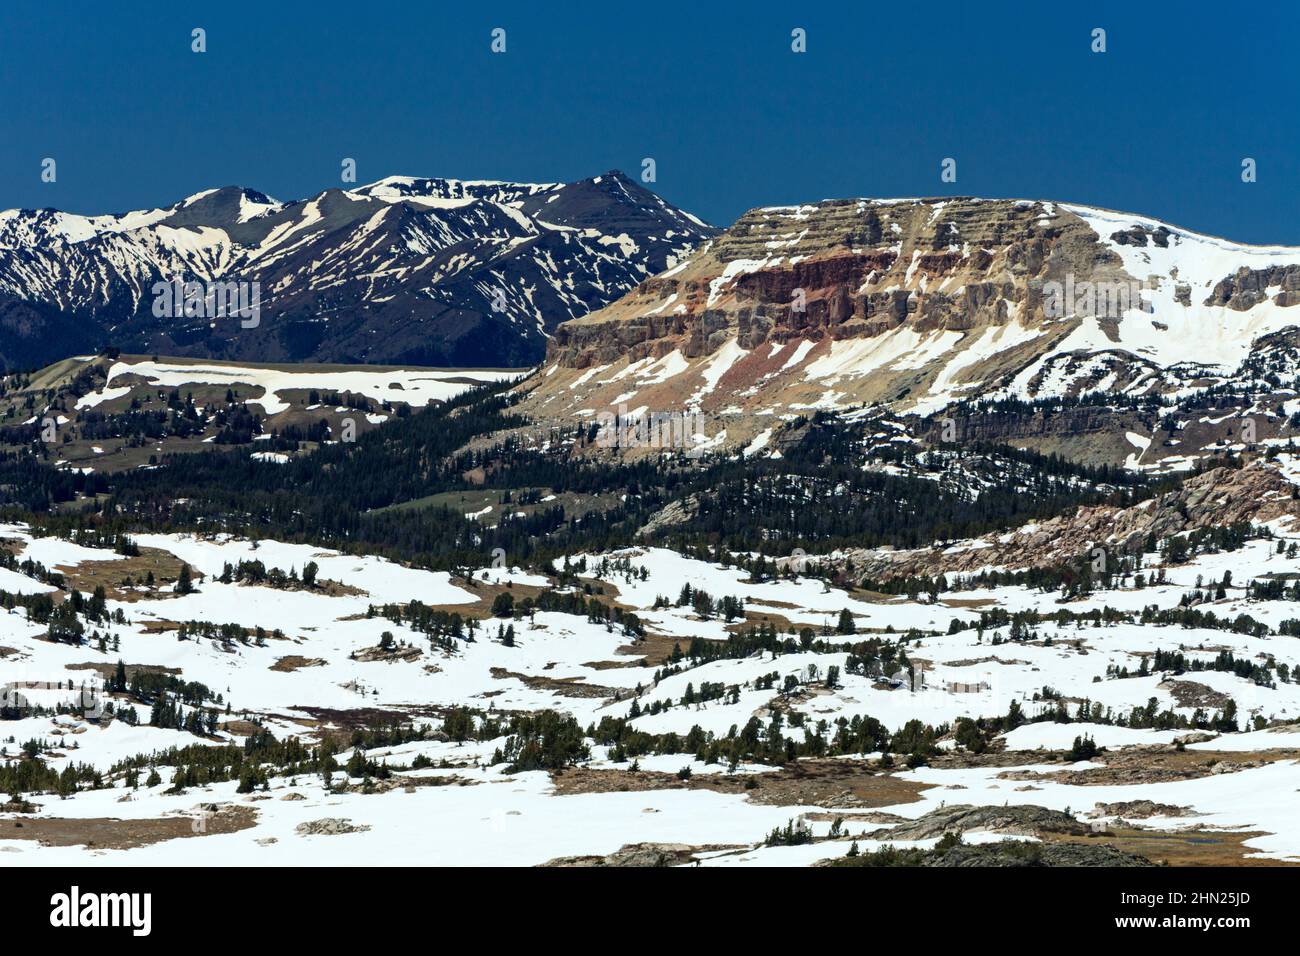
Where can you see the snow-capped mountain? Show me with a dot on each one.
(403, 270)
(922, 303)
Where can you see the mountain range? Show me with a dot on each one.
(438, 272)
(937, 309)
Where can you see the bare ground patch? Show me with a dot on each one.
(295, 662)
(594, 665)
(826, 783)
(1181, 847)
(113, 574)
(564, 686)
(1189, 693)
(110, 833)
(485, 594)
(654, 649)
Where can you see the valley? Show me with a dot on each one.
(849, 647)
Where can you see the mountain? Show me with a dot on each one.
(931, 306)
(401, 271)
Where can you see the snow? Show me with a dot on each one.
(759, 443)
(1053, 736)
(716, 367)
(408, 386)
(498, 818)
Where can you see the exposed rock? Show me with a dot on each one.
(1004, 853)
(911, 304)
(635, 854)
(1021, 820)
(1140, 810)
(295, 662)
(398, 653)
(1248, 287)
(1255, 493)
(451, 293)
(329, 826)
(676, 512)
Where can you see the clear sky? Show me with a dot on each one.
(1158, 124)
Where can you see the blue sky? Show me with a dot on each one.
(1158, 124)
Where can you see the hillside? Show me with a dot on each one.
(101, 414)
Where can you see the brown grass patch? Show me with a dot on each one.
(563, 686)
(110, 833)
(594, 665)
(109, 670)
(754, 618)
(110, 573)
(486, 593)
(241, 728)
(654, 649)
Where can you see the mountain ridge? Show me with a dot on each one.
(426, 271)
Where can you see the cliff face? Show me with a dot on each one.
(863, 269)
(919, 303)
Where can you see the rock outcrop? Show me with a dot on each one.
(917, 304)
(1020, 820)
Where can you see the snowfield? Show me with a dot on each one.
(413, 387)
(326, 655)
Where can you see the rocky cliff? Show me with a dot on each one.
(918, 304)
